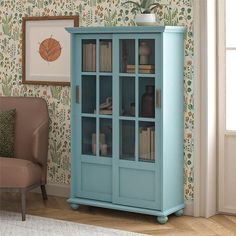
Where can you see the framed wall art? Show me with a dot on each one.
(46, 49)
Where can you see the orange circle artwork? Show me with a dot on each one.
(50, 49)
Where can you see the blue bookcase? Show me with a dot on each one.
(127, 119)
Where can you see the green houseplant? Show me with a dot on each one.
(143, 9)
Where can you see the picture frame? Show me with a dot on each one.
(46, 49)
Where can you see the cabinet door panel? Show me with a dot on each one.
(127, 96)
(89, 55)
(96, 181)
(105, 149)
(127, 140)
(137, 188)
(127, 55)
(105, 55)
(88, 136)
(88, 98)
(146, 97)
(146, 53)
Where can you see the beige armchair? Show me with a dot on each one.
(28, 168)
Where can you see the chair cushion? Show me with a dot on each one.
(18, 173)
(7, 133)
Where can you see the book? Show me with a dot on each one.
(89, 57)
(84, 58)
(140, 142)
(93, 66)
(152, 143)
(147, 143)
(105, 56)
(141, 67)
(141, 71)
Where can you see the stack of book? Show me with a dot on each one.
(143, 69)
(147, 143)
(105, 56)
(89, 57)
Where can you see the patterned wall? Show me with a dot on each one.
(91, 12)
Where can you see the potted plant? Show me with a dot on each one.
(143, 9)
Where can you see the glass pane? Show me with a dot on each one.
(88, 136)
(230, 23)
(105, 56)
(127, 96)
(88, 98)
(127, 140)
(146, 97)
(105, 95)
(127, 55)
(230, 90)
(147, 141)
(89, 55)
(146, 56)
(105, 137)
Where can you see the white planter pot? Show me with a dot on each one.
(145, 19)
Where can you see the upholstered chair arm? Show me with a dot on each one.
(40, 143)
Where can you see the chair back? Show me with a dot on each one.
(31, 112)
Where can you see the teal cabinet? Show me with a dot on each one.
(127, 119)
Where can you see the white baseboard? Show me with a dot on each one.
(188, 210)
(59, 190)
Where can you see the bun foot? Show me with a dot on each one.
(162, 219)
(179, 212)
(74, 206)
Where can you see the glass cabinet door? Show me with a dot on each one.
(89, 55)
(127, 96)
(88, 99)
(146, 64)
(137, 76)
(96, 104)
(105, 55)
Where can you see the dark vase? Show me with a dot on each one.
(147, 105)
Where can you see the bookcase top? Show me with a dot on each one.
(126, 29)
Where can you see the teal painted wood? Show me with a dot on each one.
(126, 29)
(75, 111)
(115, 127)
(158, 120)
(124, 208)
(149, 188)
(172, 108)
(96, 181)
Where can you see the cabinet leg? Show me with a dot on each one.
(74, 206)
(162, 219)
(179, 212)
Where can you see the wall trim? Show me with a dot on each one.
(197, 108)
(205, 158)
(59, 190)
(189, 208)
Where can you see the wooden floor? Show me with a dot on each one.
(57, 208)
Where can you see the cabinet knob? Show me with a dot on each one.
(158, 98)
(77, 94)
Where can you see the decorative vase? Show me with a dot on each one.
(147, 103)
(144, 53)
(145, 19)
(132, 109)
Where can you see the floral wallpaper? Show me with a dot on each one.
(90, 12)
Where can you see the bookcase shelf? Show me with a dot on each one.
(127, 118)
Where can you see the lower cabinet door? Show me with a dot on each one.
(137, 188)
(95, 181)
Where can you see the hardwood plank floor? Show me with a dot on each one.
(58, 208)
